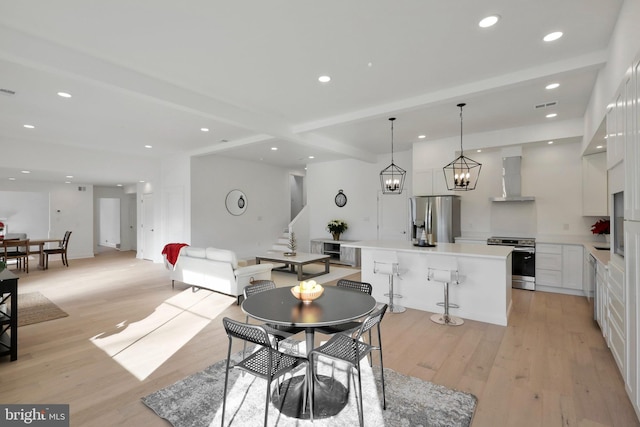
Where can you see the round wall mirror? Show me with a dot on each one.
(236, 202)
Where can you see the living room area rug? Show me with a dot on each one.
(196, 401)
(33, 307)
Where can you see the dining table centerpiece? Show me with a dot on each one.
(307, 291)
(336, 227)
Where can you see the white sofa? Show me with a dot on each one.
(216, 270)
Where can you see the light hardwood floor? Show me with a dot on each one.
(549, 367)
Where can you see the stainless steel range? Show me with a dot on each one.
(523, 270)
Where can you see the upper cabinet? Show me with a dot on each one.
(594, 185)
(631, 149)
(430, 182)
(615, 130)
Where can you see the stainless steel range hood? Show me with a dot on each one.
(512, 181)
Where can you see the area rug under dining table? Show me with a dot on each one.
(197, 401)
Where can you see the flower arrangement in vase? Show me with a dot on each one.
(336, 227)
(602, 227)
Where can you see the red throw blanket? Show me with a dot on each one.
(172, 250)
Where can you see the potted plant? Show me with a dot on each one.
(601, 227)
(336, 227)
(292, 245)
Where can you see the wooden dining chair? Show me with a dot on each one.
(61, 249)
(18, 250)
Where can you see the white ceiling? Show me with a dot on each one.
(155, 72)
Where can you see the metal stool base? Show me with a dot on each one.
(445, 319)
(396, 308)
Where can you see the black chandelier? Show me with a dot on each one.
(392, 177)
(462, 173)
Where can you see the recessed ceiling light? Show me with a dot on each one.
(599, 146)
(552, 86)
(25, 171)
(324, 79)
(479, 151)
(312, 157)
(204, 129)
(552, 36)
(489, 21)
(148, 146)
(12, 179)
(550, 116)
(274, 148)
(29, 126)
(422, 136)
(118, 185)
(67, 182)
(142, 181)
(64, 94)
(550, 142)
(69, 176)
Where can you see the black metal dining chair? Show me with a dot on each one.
(266, 362)
(278, 332)
(351, 349)
(348, 327)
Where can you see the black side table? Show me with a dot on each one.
(9, 315)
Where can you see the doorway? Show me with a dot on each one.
(109, 222)
(393, 216)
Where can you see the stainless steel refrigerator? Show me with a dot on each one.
(438, 216)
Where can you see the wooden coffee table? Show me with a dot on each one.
(297, 260)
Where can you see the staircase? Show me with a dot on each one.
(282, 244)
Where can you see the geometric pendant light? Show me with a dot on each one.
(392, 177)
(462, 173)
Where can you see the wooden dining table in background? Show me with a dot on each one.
(40, 243)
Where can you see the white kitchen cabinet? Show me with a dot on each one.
(616, 128)
(602, 275)
(572, 266)
(430, 182)
(616, 322)
(594, 185)
(559, 268)
(632, 150)
(632, 276)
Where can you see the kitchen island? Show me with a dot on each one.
(484, 293)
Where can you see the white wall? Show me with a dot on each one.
(25, 212)
(268, 204)
(360, 182)
(551, 173)
(68, 209)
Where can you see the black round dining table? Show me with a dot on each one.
(335, 306)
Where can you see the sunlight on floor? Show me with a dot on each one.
(142, 346)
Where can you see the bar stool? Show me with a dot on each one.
(387, 264)
(446, 276)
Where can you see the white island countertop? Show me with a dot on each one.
(484, 292)
(457, 249)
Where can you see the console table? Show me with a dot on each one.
(338, 253)
(9, 314)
